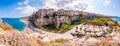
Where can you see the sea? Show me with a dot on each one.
(16, 23)
(116, 19)
(20, 25)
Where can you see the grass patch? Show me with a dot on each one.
(99, 21)
(79, 35)
(59, 41)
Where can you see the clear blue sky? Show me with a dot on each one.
(21, 8)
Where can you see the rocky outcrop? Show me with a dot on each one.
(54, 17)
(93, 30)
(58, 17)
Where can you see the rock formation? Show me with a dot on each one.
(54, 17)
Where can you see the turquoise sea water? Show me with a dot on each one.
(15, 23)
(117, 19)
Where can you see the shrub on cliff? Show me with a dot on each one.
(100, 21)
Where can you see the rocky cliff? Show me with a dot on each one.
(55, 17)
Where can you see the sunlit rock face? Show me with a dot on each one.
(54, 17)
(58, 17)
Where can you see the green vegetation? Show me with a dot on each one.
(67, 27)
(59, 41)
(95, 36)
(96, 21)
(100, 21)
(78, 35)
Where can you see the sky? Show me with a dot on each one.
(23, 8)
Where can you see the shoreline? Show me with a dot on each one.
(27, 30)
(24, 25)
(116, 19)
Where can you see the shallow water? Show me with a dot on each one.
(117, 19)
